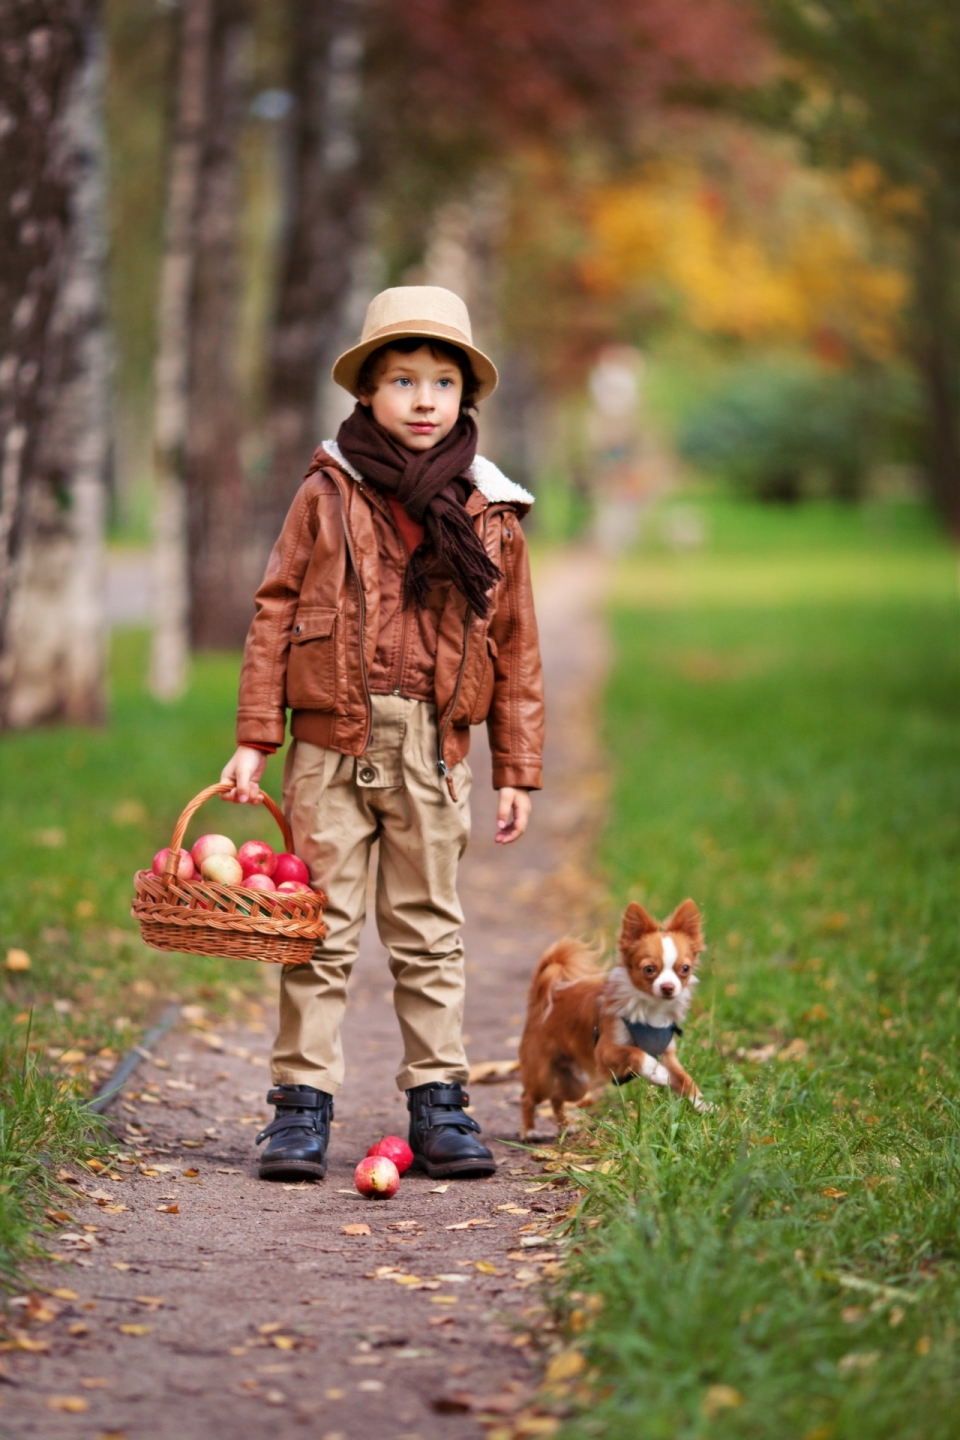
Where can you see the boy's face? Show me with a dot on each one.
(417, 397)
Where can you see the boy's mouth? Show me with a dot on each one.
(421, 427)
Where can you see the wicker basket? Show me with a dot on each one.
(199, 917)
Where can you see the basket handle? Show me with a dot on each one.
(180, 829)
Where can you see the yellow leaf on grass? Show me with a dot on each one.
(73, 1404)
(922, 1346)
(17, 960)
(564, 1366)
(720, 1397)
(794, 1051)
(833, 1194)
(135, 1330)
(358, 1229)
(817, 1012)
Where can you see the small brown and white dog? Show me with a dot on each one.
(585, 1026)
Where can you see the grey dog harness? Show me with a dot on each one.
(652, 1039)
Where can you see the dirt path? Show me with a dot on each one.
(209, 1303)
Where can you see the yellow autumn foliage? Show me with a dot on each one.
(799, 268)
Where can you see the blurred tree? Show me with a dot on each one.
(221, 588)
(875, 84)
(53, 362)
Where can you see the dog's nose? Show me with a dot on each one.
(666, 989)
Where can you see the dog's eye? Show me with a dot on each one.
(684, 969)
(649, 969)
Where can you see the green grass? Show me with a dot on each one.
(80, 811)
(783, 721)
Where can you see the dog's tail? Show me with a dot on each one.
(565, 962)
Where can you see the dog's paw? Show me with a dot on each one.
(703, 1107)
(653, 1071)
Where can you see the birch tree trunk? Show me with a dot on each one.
(168, 670)
(221, 585)
(323, 235)
(55, 366)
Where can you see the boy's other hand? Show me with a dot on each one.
(243, 771)
(513, 814)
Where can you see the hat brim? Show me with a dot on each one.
(347, 368)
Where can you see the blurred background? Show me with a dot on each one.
(712, 244)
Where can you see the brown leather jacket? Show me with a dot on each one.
(313, 638)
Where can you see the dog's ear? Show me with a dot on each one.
(636, 924)
(685, 920)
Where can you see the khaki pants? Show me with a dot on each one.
(337, 807)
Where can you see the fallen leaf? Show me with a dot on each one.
(27, 1342)
(485, 1267)
(60, 1217)
(439, 1189)
(487, 1072)
(469, 1224)
(720, 1397)
(120, 1265)
(78, 1328)
(794, 1051)
(833, 1194)
(512, 1209)
(113, 1209)
(153, 1300)
(17, 960)
(284, 1342)
(65, 1294)
(136, 1330)
(275, 1397)
(922, 1346)
(564, 1366)
(72, 1057)
(358, 1229)
(168, 1209)
(73, 1404)
(38, 1312)
(443, 1300)
(94, 1382)
(190, 1173)
(271, 1327)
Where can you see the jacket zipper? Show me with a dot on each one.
(363, 619)
(442, 765)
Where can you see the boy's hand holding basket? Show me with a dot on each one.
(202, 917)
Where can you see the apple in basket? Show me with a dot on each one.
(290, 867)
(257, 858)
(211, 845)
(223, 869)
(293, 887)
(185, 867)
(258, 881)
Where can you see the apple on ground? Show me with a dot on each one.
(223, 869)
(377, 1177)
(259, 881)
(185, 866)
(291, 867)
(211, 845)
(396, 1150)
(257, 857)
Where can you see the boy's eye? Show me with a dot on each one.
(404, 380)
(445, 384)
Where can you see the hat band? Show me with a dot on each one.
(426, 327)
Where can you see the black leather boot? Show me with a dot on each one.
(442, 1138)
(299, 1135)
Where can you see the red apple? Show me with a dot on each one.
(211, 845)
(257, 857)
(223, 869)
(291, 867)
(259, 881)
(185, 867)
(293, 887)
(377, 1177)
(396, 1150)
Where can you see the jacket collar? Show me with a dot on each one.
(489, 480)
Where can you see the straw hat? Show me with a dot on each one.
(409, 310)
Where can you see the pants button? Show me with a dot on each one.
(367, 774)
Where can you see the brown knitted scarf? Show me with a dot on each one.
(432, 486)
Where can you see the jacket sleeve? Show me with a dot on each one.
(515, 720)
(261, 712)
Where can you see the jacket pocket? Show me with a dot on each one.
(481, 705)
(312, 663)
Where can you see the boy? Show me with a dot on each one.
(396, 611)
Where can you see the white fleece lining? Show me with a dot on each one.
(488, 478)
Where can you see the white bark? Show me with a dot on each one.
(54, 660)
(168, 672)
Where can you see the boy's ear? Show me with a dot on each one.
(685, 920)
(636, 923)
